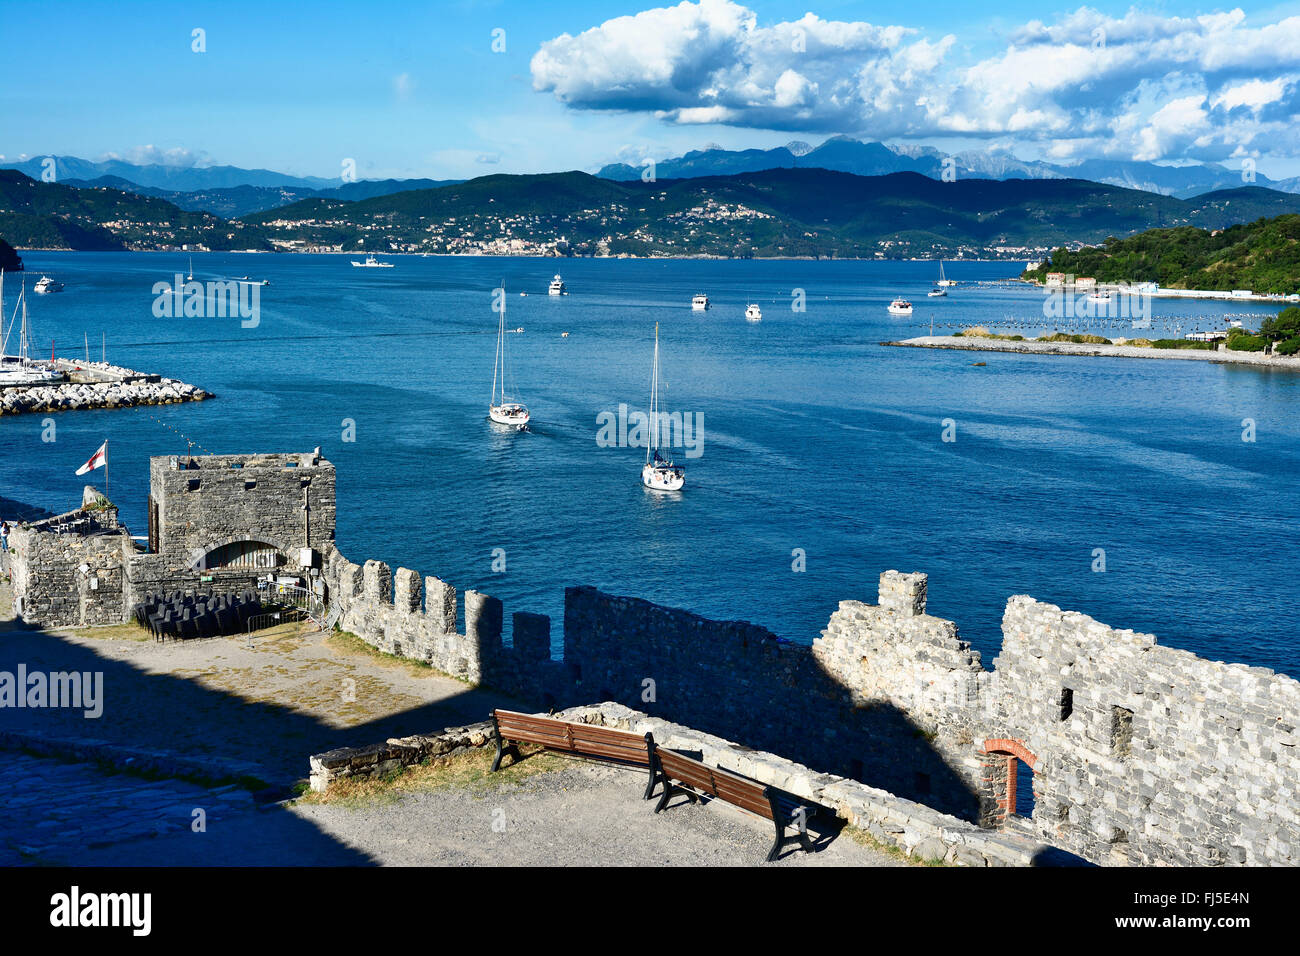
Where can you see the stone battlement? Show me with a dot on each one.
(1133, 753)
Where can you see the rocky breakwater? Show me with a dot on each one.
(99, 386)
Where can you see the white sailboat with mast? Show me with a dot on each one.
(505, 412)
(659, 474)
(18, 369)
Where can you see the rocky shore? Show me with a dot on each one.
(975, 344)
(98, 385)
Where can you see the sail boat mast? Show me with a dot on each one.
(652, 444)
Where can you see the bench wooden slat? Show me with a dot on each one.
(573, 737)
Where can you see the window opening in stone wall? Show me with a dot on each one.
(1121, 732)
(1024, 789)
(1067, 703)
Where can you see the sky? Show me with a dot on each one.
(463, 88)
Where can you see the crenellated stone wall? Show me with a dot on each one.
(1154, 756)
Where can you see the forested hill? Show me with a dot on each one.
(1263, 256)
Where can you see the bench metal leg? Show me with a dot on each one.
(502, 747)
(650, 751)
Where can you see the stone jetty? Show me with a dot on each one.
(97, 385)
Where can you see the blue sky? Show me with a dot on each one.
(411, 89)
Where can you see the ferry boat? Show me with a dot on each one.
(753, 313)
(900, 307)
(505, 412)
(659, 473)
(699, 303)
(372, 263)
(46, 284)
(557, 287)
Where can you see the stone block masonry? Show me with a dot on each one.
(1137, 754)
(1129, 752)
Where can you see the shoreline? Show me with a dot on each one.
(962, 343)
(97, 385)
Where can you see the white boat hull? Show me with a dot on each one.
(897, 311)
(515, 416)
(662, 479)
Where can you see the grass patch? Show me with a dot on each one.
(979, 332)
(463, 771)
(348, 643)
(114, 632)
(865, 838)
(1076, 339)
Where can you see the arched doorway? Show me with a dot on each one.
(243, 555)
(1008, 780)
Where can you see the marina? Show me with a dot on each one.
(818, 437)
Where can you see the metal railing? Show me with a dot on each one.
(311, 604)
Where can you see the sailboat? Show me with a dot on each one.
(18, 369)
(943, 282)
(659, 474)
(505, 412)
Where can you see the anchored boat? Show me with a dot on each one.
(505, 412)
(659, 474)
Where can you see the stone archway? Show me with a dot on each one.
(1003, 758)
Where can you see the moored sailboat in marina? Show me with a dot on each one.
(19, 369)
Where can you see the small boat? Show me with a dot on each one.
(190, 277)
(943, 282)
(659, 474)
(936, 293)
(372, 263)
(505, 412)
(699, 303)
(556, 287)
(900, 307)
(1098, 296)
(46, 284)
(564, 335)
(753, 313)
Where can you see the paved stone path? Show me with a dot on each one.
(581, 815)
(54, 811)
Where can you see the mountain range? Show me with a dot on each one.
(776, 212)
(232, 192)
(844, 154)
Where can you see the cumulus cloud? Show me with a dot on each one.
(1144, 85)
(154, 156)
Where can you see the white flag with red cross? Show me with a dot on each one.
(98, 460)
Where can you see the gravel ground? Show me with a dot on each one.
(288, 696)
(581, 815)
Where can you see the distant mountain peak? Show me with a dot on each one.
(798, 147)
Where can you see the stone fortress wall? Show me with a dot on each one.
(216, 522)
(1139, 753)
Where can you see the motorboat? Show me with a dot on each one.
(699, 303)
(900, 307)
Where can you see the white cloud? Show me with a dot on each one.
(154, 156)
(1144, 84)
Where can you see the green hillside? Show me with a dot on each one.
(777, 212)
(54, 216)
(1263, 256)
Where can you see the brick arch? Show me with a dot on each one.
(1007, 745)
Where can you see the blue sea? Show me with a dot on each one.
(822, 449)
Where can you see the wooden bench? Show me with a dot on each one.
(695, 779)
(583, 740)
